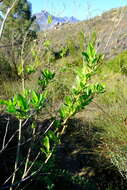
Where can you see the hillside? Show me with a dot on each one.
(110, 28)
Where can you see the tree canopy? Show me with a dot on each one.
(19, 20)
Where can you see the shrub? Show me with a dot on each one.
(29, 103)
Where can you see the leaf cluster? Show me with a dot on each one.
(45, 78)
(25, 105)
(83, 91)
(48, 142)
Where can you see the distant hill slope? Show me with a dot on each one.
(42, 20)
(110, 27)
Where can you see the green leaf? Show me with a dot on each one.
(52, 135)
(33, 126)
(20, 69)
(57, 123)
(44, 79)
(46, 143)
(11, 109)
(62, 112)
(34, 97)
(30, 69)
(68, 100)
(86, 56)
(3, 102)
(49, 19)
(22, 102)
(46, 43)
(44, 151)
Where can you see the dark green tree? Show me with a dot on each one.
(18, 27)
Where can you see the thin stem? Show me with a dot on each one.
(7, 143)
(28, 156)
(5, 146)
(49, 127)
(13, 173)
(31, 165)
(4, 139)
(18, 152)
(22, 62)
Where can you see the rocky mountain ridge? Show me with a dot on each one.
(42, 20)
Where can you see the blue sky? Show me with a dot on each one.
(81, 9)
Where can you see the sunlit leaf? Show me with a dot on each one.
(46, 143)
(49, 19)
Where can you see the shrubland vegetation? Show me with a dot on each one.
(63, 110)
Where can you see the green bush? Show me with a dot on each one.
(29, 103)
(118, 64)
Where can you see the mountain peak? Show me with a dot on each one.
(45, 12)
(42, 20)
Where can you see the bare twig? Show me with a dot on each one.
(49, 127)
(13, 173)
(18, 152)
(26, 172)
(6, 15)
(22, 62)
(10, 139)
(28, 156)
(6, 130)
(5, 145)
